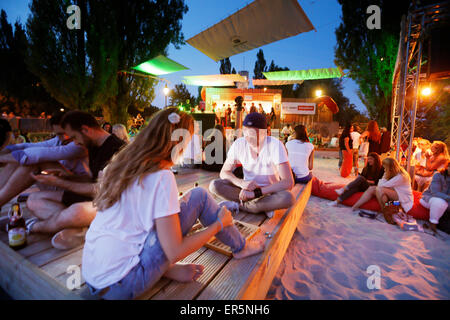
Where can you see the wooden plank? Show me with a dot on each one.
(23, 280)
(59, 266)
(36, 247)
(250, 278)
(163, 282)
(212, 261)
(50, 255)
(259, 281)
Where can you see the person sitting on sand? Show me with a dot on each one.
(58, 153)
(301, 155)
(395, 185)
(67, 211)
(369, 176)
(267, 172)
(437, 196)
(436, 157)
(140, 231)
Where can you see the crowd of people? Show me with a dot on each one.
(121, 197)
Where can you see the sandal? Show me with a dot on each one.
(29, 224)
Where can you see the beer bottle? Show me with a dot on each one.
(17, 234)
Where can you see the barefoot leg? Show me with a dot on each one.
(251, 248)
(184, 272)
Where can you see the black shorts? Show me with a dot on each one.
(69, 198)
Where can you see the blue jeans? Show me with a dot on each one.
(196, 204)
(303, 179)
(341, 157)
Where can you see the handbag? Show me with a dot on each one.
(389, 211)
(364, 148)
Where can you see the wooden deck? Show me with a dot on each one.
(39, 271)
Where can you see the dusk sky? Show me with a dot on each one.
(311, 50)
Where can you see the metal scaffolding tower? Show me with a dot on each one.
(407, 75)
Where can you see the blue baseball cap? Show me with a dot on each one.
(255, 120)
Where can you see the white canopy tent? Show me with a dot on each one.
(259, 23)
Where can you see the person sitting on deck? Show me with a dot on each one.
(369, 176)
(267, 172)
(395, 185)
(70, 208)
(215, 150)
(141, 229)
(436, 157)
(301, 155)
(437, 196)
(58, 153)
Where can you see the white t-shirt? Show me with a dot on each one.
(193, 150)
(117, 235)
(263, 170)
(355, 137)
(419, 158)
(298, 153)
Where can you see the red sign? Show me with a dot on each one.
(305, 108)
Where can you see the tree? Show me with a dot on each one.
(180, 96)
(234, 71)
(260, 66)
(19, 88)
(86, 68)
(225, 66)
(370, 55)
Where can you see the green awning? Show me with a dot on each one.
(159, 66)
(311, 74)
(214, 80)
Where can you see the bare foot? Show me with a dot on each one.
(251, 248)
(355, 208)
(184, 272)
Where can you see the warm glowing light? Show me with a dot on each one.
(166, 90)
(265, 89)
(426, 91)
(62, 109)
(319, 93)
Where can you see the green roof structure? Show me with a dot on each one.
(311, 74)
(159, 66)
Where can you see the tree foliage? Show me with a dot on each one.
(20, 90)
(260, 66)
(370, 55)
(180, 95)
(225, 66)
(84, 68)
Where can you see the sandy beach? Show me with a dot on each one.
(333, 247)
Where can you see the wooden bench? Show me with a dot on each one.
(39, 271)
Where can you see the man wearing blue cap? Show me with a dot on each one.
(267, 172)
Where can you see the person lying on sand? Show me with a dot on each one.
(140, 231)
(267, 172)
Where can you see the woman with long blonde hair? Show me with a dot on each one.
(140, 230)
(121, 132)
(395, 185)
(436, 157)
